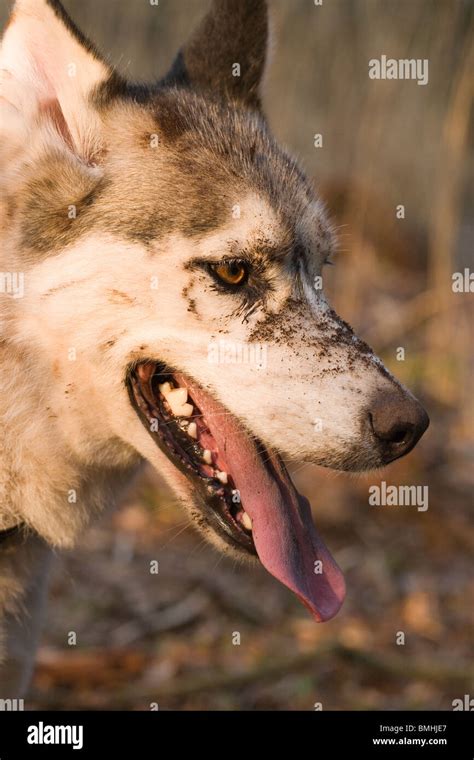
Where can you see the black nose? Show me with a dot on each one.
(397, 421)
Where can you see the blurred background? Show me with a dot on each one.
(168, 638)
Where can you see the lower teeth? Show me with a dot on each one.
(179, 407)
(246, 521)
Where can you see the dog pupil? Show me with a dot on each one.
(235, 271)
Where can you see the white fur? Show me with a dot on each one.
(42, 63)
(69, 438)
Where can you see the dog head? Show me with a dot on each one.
(174, 259)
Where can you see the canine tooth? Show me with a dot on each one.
(222, 476)
(192, 430)
(177, 396)
(207, 456)
(246, 521)
(164, 388)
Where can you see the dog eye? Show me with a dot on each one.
(233, 273)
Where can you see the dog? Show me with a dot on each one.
(143, 228)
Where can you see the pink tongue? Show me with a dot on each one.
(286, 540)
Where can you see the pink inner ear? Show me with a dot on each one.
(52, 111)
(37, 49)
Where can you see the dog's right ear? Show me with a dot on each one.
(48, 75)
(226, 55)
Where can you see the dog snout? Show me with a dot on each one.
(397, 422)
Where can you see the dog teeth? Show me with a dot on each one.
(185, 410)
(246, 521)
(176, 398)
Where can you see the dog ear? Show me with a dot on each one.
(49, 73)
(226, 55)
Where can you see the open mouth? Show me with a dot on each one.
(182, 432)
(244, 490)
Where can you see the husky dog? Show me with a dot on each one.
(141, 226)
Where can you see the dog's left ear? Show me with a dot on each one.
(49, 73)
(226, 55)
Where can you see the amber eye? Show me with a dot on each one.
(232, 273)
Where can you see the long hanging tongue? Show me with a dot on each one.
(286, 540)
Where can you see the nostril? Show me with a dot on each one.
(398, 434)
(397, 423)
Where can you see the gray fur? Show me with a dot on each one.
(207, 150)
(153, 175)
(233, 32)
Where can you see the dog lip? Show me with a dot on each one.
(283, 534)
(286, 540)
(212, 500)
